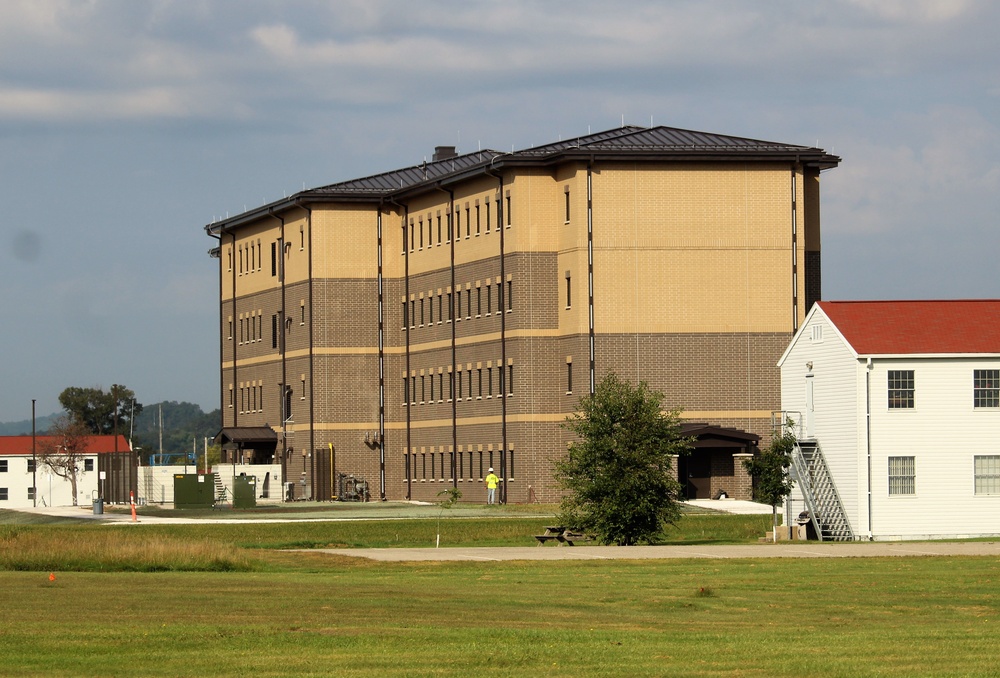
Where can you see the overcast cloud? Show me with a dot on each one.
(125, 126)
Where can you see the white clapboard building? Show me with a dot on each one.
(896, 406)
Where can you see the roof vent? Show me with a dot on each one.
(444, 152)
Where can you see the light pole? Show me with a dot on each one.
(34, 458)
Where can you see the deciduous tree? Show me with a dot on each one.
(97, 409)
(769, 470)
(64, 455)
(619, 477)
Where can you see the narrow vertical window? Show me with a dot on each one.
(987, 474)
(440, 308)
(450, 308)
(478, 220)
(432, 388)
(458, 224)
(507, 210)
(479, 383)
(412, 235)
(986, 388)
(489, 382)
(510, 380)
(421, 311)
(901, 389)
(450, 227)
(420, 227)
(902, 475)
(274, 330)
(567, 204)
(406, 390)
(431, 311)
(440, 386)
(274, 259)
(489, 300)
(458, 385)
(413, 390)
(302, 238)
(510, 295)
(479, 301)
(451, 386)
(569, 378)
(468, 221)
(569, 290)
(487, 216)
(439, 228)
(469, 392)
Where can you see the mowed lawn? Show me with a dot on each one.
(280, 613)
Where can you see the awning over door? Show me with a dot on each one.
(261, 437)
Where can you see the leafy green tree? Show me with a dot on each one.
(769, 470)
(619, 477)
(64, 455)
(97, 409)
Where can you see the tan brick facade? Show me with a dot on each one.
(483, 330)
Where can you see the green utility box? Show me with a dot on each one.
(192, 490)
(244, 492)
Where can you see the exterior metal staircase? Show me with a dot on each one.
(826, 510)
(220, 490)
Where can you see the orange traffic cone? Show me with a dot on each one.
(52, 576)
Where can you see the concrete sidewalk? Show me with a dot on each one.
(780, 550)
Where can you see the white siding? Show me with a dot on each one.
(52, 490)
(836, 424)
(943, 432)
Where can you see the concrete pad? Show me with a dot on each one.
(780, 550)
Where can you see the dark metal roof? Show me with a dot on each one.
(711, 435)
(250, 436)
(402, 179)
(630, 143)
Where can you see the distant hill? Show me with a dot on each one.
(185, 425)
(23, 428)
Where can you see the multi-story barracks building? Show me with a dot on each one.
(413, 329)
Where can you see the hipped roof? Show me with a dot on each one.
(628, 143)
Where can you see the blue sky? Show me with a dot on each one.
(127, 125)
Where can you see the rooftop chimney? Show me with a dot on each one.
(444, 152)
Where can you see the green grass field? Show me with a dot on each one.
(221, 600)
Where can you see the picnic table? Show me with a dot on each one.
(562, 534)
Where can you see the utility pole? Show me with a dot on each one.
(34, 457)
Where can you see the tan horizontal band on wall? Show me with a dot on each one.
(554, 417)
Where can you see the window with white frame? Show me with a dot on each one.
(986, 388)
(901, 389)
(902, 476)
(987, 474)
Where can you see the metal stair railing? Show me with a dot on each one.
(826, 510)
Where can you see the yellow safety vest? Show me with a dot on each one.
(491, 481)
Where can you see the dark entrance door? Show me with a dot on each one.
(699, 475)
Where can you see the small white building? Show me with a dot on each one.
(896, 406)
(25, 483)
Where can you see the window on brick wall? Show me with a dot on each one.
(569, 378)
(487, 216)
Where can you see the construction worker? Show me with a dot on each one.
(491, 487)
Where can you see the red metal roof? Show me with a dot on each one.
(95, 444)
(918, 327)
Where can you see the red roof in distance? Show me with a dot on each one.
(955, 326)
(95, 444)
